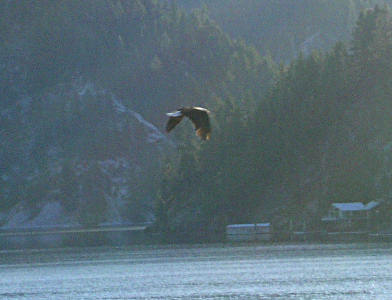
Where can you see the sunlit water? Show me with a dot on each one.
(200, 272)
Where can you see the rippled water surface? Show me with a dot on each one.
(320, 272)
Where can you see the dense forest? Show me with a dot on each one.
(293, 130)
(317, 136)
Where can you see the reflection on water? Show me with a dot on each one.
(360, 271)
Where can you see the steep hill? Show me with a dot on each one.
(79, 148)
(84, 90)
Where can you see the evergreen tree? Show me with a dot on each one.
(371, 47)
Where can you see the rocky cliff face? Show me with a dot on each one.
(76, 155)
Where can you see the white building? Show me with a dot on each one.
(248, 232)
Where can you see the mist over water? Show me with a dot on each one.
(199, 272)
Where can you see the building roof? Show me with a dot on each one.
(248, 225)
(353, 206)
(371, 205)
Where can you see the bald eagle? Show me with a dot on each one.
(198, 116)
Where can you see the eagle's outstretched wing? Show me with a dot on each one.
(201, 121)
(172, 122)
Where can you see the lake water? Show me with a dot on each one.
(354, 271)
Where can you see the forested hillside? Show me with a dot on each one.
(320, 135)
(71, 71)
(288, 138)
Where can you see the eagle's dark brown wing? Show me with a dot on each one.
(201, 121)
(172, 122)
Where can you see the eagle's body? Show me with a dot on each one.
(198, 116)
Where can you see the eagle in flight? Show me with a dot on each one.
(198, 116)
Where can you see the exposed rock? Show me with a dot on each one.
(79, 149)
